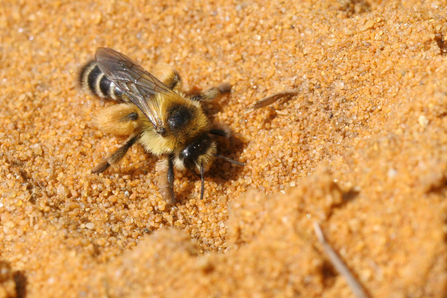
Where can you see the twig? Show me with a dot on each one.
(339, 265)
(271, 99)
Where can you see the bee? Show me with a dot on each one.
(155, 113)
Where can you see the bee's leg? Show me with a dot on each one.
(225, 133)
(118, 120)
(221, 133)
(115, 157)
(171, 176)
(165, 168)
(213, 92)
(169, 76)
(131, 117)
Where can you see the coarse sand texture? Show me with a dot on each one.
(361, 149)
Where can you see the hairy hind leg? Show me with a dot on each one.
(115, 157)
(168, 75)
(165, 168)
(213, 92)
(120, 119)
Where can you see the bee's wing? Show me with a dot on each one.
(138, 84)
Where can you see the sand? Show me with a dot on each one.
(362, 150)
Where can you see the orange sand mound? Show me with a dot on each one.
(362, 150)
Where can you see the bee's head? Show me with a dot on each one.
(199, 154)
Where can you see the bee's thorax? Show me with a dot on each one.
(179, 116)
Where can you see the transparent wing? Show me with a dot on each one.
(138, 84)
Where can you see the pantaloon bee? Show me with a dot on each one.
(155, 113)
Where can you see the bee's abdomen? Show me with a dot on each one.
(93, 79)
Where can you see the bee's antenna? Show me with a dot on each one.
(203, 181)
(230, 160)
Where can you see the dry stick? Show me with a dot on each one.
(272, 99)
(339, 265)
(106, 287)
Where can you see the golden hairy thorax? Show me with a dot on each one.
(175, 110)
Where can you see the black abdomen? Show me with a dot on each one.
(93, 79)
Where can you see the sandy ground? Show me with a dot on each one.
(362, 150)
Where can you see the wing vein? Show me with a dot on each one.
(139, 85)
